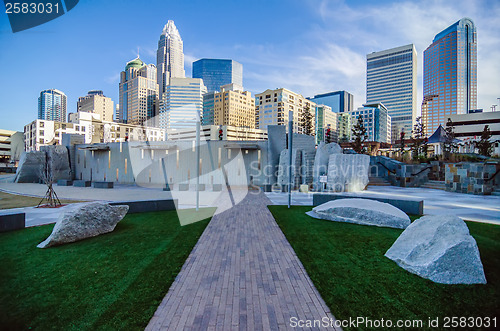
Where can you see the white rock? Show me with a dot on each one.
(362, 211)
(87, 221)
(441, 249)
(348, 172)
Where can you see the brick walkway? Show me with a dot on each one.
(242, 274)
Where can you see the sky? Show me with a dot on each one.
(307, 46)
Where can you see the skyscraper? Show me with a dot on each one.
(391, 79)
(450, 74)
(138, 93)
(169, 56)
(182, 104)
(95, 102)
(52, 105)
(216, 73)
(338, 101)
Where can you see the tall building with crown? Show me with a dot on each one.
(169, 56)
(138, 93)
(450, 74)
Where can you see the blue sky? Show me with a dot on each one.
(308, 46)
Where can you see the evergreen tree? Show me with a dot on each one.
(419, 142)
(484, 145)
(360, 136)
(307, 121)
(449, 145)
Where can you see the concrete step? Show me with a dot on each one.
(378, 181)
(435, 184)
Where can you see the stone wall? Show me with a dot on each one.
(471, 178)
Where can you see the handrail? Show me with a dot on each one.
(492, 176)
(418, 173)
(383, 165)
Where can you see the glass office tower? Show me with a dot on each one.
(338, 101)
(391, 79)
(450, 74)
(217, 72)
(52, 105)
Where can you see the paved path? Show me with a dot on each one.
(242, 274)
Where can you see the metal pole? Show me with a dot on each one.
(290, 137)
(197, 164)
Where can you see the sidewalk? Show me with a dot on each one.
(242, 274)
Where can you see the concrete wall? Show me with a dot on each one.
(155, 163)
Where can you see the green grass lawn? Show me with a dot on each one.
(347, 265)
(113, 281)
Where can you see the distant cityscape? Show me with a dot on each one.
(158, 102)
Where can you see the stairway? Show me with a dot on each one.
(378, 181)
(435, 184)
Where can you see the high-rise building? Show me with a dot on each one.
(95, 102)
(218, 72)
(450, 74)
(326, 124)
(391, 79)
(376, 120)
(169, 56)
(182, 104)
(234, 107)
(272, 107)
(138, 93)
(52, 105)
(344, 122)
(208, 108)
(338, 101)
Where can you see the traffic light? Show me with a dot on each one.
(221, 134)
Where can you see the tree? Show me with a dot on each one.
(449, 145)
(360, 136)
(484, 145)
(402, 141)
(419, 142)
(307, 121)
(47, 176)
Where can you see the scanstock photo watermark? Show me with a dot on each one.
(454, 322)
(24, 15)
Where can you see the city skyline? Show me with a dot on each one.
(332, 61)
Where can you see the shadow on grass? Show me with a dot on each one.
(113, 281)
(347, 265)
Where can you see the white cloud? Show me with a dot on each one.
(331, 55)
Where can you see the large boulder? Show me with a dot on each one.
(362, 211)
(441, 249)
(296, 167)
(348, 172)
(321, 158)
(87, 221)
(30, 167)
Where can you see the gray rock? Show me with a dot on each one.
(348, 172)
(362, 211)
(89, 220)
(58, 158)
(29, 167)
(441, 249)
(321, 158)
(296, 167)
